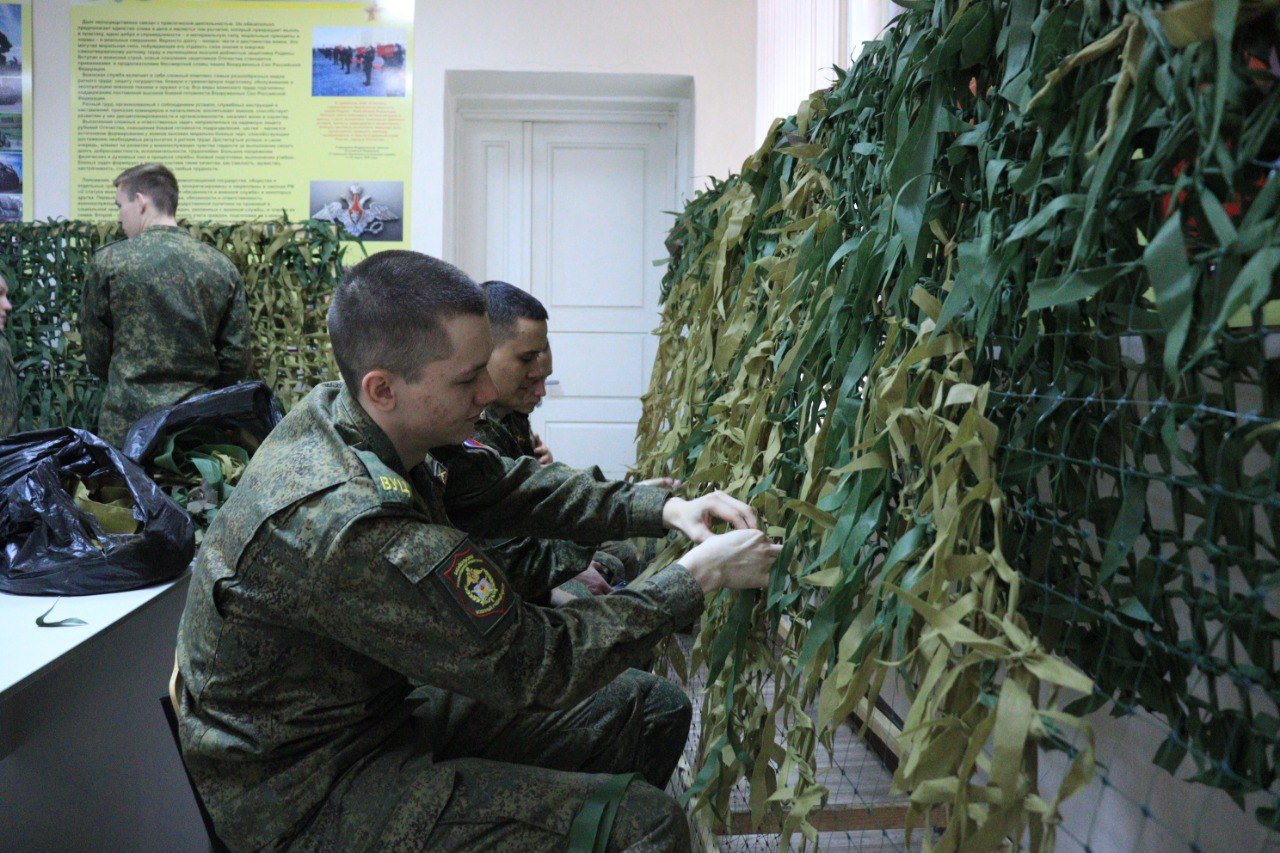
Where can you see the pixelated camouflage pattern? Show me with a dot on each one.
(163, 318)
(537, 566)
(518, 779)
(509, 433)
(317, 599)
(10, 405)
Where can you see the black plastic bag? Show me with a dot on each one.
(49, 545)
(249, 407)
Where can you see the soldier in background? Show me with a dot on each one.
(340, 575)
(9, 402)
(164, 315)
(519, 366)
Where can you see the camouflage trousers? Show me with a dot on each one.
(467, 777)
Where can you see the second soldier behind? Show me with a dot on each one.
(519, 366)
(164, 315)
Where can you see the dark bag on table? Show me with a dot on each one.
(77, 517)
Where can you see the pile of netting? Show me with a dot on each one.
(986, 332)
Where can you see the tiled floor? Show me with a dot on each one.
(852, 774)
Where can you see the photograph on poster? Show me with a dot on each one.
(10, 58)
(371, 210)
(10, 186)
(10, 132)
(358, 62)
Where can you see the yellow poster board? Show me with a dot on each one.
(257, 107)
(16, 198)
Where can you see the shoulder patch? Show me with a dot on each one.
(475, 445)
(476, 585)
(392, 488)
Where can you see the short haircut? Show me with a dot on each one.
(155, 181)
(387, 314)
(508, 303)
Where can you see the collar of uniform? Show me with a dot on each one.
(496, 413)
(363, 433)
(171, 229)
(517, 422)
(435, 469)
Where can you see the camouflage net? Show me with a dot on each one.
(289, 270)
(986, 331)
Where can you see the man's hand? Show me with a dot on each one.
(593, 579)
(541, 452)
(661, 482)
(739, 559)
(694, 518)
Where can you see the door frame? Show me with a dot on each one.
(561, 97)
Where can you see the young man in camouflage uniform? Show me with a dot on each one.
(343, 569)
(519, 367)
(164, 315)
(9, 403)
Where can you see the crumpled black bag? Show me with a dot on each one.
(47, 543)
(248, 406)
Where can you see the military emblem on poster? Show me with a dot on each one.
(372, 211)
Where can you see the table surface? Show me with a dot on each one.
(27, 651)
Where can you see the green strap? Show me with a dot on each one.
(591, 828)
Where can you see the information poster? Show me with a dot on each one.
(258, 107)
(15, 112)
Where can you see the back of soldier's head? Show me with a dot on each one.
(153, 180)
(508, 305)
(389, 310)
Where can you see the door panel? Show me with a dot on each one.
(574, 211)
(491, 225)
(595, 210)
(599, 364)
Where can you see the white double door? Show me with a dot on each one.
(575, 211)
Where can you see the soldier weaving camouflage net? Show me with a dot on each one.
(983, 330)
(289, 269)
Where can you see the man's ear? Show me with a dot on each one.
(378, 390)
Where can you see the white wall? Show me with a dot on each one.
(712, 41)
(797, 42)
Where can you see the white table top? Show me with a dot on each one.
(29, 650)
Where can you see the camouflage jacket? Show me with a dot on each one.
(333, 577)
(10, 405)
(536, 566)
(163, 317)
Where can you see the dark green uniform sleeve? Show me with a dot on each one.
(488, 495)
(95, 321)
(536, 566)
(443, 614)
(232, 342)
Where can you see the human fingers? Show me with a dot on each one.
(593, 579)
(722, 506)
(660, 482)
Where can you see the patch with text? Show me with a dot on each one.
(476, 585)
